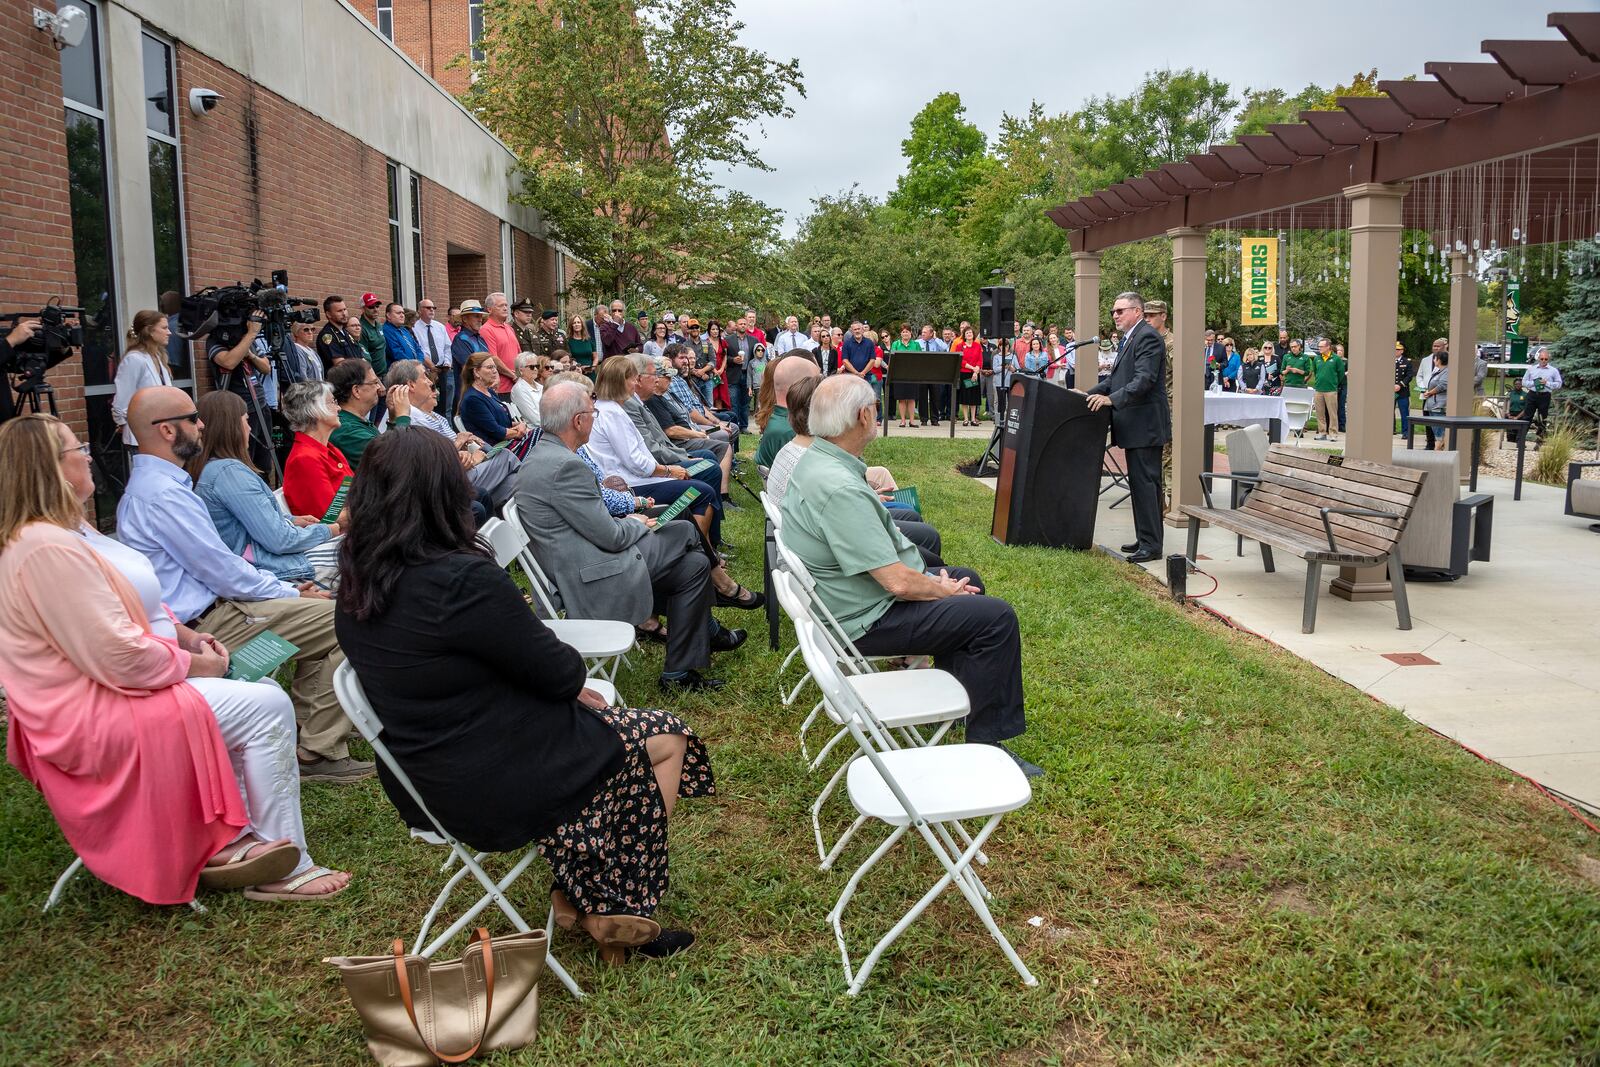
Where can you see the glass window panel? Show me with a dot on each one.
(394, 261)
(109, 459)
(416, 264)
(416, 203)
(475, 16)
(386, 22)
(91, 233)
(80, 66)
(167, 220)
(157, 86)
(394, 193)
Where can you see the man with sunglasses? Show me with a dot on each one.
(218, 593)
(1140, 418)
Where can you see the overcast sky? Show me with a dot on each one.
(1000, 54)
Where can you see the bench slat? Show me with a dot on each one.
(1279, 536)
(1346, 538)
(1351, 492)
(1385, 474)
(1389, 528)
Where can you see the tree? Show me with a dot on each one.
(1171, 115)
(617, 114)
(1264, 107)
(945, 161)
(1577, 354)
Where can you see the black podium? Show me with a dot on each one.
(1050, 453)
(915, 367)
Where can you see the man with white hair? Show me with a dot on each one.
(790, 337)
(501, 338)
(873, 579)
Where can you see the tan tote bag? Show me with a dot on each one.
(419, 1012)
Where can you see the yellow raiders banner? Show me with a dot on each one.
(1258, 256)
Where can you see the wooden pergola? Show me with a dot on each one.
(1483, 156)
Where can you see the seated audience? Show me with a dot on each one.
(616, 445)
(606, 567)
(489, 473)
(486, 710)
(919, 533)
(873, 580)
(532, 370)
(651, 429)
(483, 413)
(673, 418)
(357, 390)
(214, 591)
(242, 507)
(316, 475)
(686, 389)
(160, 772)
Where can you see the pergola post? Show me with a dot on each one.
(1086, 316)
(1374, 314)
(1188, 367)
(1463, 344)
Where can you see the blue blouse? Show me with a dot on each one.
(246, 514)
(485, 416)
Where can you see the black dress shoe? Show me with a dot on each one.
(691, 682)
(669, 943)
(726, 640)
(1144, 557)
(1128, 550)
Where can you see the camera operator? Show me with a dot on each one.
(241, 369)
(20, 335)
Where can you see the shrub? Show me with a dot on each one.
(1550, 466)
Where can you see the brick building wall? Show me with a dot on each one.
(461, 248)
(35, 219)
(433, 33)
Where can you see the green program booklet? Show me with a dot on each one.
(907, 496)
(677, 507)
(699, 467)
(258, 657)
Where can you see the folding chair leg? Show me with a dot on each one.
(550, 960)
(836, 916)
(795, 692)
(496, 894)
(806, 726)
(61, 883)
(784, 666)
(984, 914)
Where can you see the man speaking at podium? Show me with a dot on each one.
(1140, 421)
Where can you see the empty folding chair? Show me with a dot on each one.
(928, 789)
(601, 642)
(347, 686)
(771, 563)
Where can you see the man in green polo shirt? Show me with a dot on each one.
(356, 389)
(1327, 378)
(1296, 367)
(873, 581)
(785, 372)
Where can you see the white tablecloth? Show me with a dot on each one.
(1243, 409)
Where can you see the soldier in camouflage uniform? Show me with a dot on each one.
(548, 336)
(1155, 313)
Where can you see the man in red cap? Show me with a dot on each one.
(372, 343)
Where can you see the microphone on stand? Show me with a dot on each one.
(1073, 346)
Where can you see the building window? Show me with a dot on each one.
(394, 230)
(416, 238)
(386, 18)
(475, 28)
(166, 208)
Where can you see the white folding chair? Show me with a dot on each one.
(929, 789)
(1297, 403)
(601, 642)
(774, 524)
(347, 686)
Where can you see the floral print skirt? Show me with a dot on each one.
(611, 858)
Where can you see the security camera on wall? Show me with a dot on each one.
(203, 100)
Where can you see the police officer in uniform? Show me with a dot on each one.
(522, 322)
(548, 336)
(333, 340)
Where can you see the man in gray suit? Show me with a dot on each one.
(615, 568)
(1140, 421)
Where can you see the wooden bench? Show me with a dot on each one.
(1326, 510)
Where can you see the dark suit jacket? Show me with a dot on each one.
(1139, 415)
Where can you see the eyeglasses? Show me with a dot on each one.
(191, 418)
(82, 450)
(1123, 310)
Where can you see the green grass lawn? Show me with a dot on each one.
(1236, 858)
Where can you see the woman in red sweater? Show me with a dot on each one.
(316, 472)
(971, 367)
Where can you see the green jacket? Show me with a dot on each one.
(777, 434)
(1292, 362)
(1327, 375)
(377, 349)
(355, 434)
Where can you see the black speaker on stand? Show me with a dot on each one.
(997, 310)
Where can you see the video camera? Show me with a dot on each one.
(225, 310)
(56, 339)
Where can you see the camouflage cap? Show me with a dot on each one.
(1155, 307)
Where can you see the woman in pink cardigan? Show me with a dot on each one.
(121, 717)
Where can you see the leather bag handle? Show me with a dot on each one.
(481, 937)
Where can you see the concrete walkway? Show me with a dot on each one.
(1506, 661)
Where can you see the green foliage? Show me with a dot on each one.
(1577, 354)
(1264, 107)
(618, 113)
(945, 161)
(1171, 115)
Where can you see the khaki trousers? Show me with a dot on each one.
(308, 625)
(1328, 412)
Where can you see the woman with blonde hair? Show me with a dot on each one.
(122, 717)
(143, 363)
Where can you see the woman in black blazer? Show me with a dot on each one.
(486, 710)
